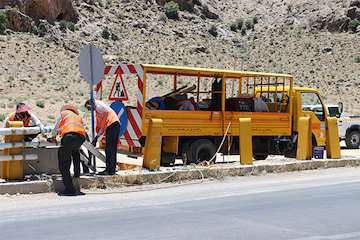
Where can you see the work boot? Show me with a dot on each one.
(105, 173)
(67, 193)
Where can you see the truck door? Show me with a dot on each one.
(317, 115)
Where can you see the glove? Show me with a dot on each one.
(52, 140)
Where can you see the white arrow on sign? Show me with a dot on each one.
(91, 64)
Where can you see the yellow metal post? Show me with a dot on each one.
(13, 170)
(246, 153)
(152, 153)
(332, 137)
(304, 144)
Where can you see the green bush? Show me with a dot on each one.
(71, 26)
(213, 31)
(3, 22)
(106, 33)
(63, 25)
(40, 103)
(171, 10)
(163, 17)
(239, 23)
(357, 59)
(243, 31)
(255, 20)
(353, 24)
(249, 24)
(233, 27)
(2, 117)
(41, 29)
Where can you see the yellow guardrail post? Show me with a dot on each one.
(13, 170)
(304, 144)
(246, 149)
(332, 138)
(152, 151)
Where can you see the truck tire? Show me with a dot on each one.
(353, 139)
(260, 156)
(200, 150)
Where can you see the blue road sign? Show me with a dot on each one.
(120, 110)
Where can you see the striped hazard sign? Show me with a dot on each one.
(133, 130)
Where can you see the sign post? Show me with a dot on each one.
(92, 67)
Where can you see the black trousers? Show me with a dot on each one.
(111, 138)
(69, 149)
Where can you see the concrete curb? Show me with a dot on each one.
(217, 171)
(42, 186)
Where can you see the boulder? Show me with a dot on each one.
(332, 23)
(50, 10)
(338, 24)
(355, 3)
(18, 21)
(354, 13)
(10, 3)
(187, 5)
(208, 13)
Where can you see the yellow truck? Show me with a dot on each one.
(200, 114)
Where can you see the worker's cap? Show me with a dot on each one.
(22, 108)
(70, 108)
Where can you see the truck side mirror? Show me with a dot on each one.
(341, 107)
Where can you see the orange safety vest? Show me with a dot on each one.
(26, 121)
(71, 122)
(105, 119)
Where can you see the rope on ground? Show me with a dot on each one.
(208, 163)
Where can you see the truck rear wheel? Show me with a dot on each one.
(200, 150)
(353, 139)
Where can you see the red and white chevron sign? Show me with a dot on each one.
(134, 126)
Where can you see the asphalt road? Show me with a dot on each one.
(313, 205)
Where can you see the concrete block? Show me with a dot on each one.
(47, 162)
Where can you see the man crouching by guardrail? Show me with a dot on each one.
(23, 113)
(69, 126)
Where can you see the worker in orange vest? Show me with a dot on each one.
(69, 126)
(107, 122)
(24, 114)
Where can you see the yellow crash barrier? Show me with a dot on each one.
(332, 143)
(304, 144)
(152, 152)
(13, 170)
(245, 142)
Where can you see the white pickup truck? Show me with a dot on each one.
(349, 126)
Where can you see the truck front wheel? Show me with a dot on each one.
(353, 139)
(260, 156)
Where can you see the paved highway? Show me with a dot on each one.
(313, 205)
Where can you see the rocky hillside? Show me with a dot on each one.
(316, 41)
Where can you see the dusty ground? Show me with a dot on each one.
(37, 69)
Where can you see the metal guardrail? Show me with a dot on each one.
(24, 131)
(37, 144)
(4, 158)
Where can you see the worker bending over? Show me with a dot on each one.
(107, 122)
(69, 126)
(24, 115)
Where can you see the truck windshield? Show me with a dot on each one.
(334, 112)
(312, 99)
